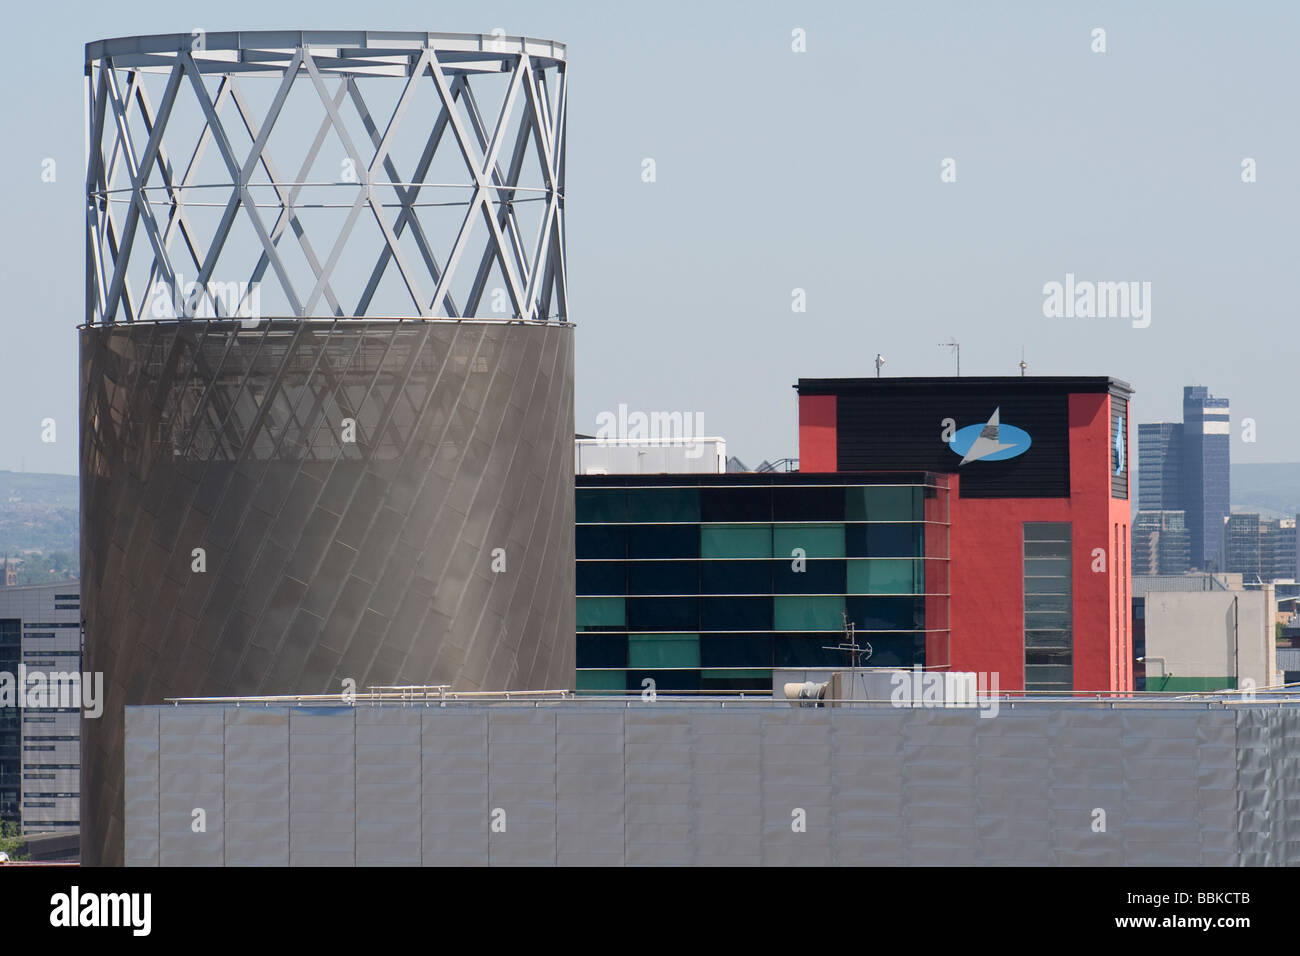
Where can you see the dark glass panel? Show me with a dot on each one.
(665, 682)
(735, 650)
(663, 614)
(604, 505)
(662, 577)
(736, 614)
(735, 577)
(663, 541)
(886, 613)
(602, 650)
(808, 503)
(601, 541)
(825, 576)
(601, 577)
(736, 504)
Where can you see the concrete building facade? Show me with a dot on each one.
(1210, 640)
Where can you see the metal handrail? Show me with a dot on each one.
(1284, 694)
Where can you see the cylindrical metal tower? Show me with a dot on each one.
(326, 373)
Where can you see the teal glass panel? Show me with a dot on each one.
(820, 613)
(663, 504)
(884, 503)
(601, 612)
(735, 541)
(886, 576)
(817, 540)
(601, 505)
(602, 681)
(659, 651)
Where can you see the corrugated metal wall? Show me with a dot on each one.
(667, 783)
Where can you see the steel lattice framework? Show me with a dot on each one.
(428, 176)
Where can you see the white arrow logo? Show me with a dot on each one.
(987, 443)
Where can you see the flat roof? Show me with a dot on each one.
(1018, 383)
(760, 478)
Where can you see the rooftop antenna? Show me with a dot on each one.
(880, 360)
(956, 350)
(1023, 366)
(857, 652)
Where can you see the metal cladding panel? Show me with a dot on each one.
(692, 784)
(1268, 764)
(867, 790)
(1012, 790)
(726, 762)
(191, 779)
(322, 787)
(589, 788)
(257, 787)
(388, 786)
(1086, 774)
(522, 788)
(454, 811)
(1120, 429)
(348, 484)
(660, 821)
(796, 788)
(143, 789)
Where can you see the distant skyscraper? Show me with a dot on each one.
(1242, 539)
(1160, 466)
(1206, 441)
(1262, 549)
(1280, 544)
(1160, 543)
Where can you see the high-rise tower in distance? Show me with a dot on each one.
(1206, 448)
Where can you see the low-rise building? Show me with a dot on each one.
(1201, 632)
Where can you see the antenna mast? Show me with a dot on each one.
(955, 347)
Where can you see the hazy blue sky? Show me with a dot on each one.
(820, 170)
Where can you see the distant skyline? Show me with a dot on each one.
(815, 178)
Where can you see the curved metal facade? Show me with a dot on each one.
(348, 483)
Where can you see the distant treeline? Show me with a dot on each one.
(46, 568)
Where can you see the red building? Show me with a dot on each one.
(1038, 513)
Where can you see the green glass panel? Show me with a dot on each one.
(886, 576)
(885, 503)
(663, 504)
(759, 676)
(601, 505)
(735, 541)
(658, 651)
(615, 681)
(808, 613)
(817, 540)
(1184, 685)
(601, 612)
